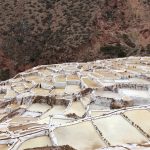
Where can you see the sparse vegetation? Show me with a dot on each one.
(53, 31)
(4, 74)
(128, 41)
(113, 51)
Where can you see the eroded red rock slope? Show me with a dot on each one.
(34, 32)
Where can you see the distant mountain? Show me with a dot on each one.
(34, 32)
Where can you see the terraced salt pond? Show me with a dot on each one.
(77, 108)
(40, 91)
(2, 96)
(28, 85)
(73, 78)
(10, 94)
(19, 89)
(58, 91)
(21, 120)
(60, 78)
(118, 131)
(4, 147)
(38, 107)
(57, 109)
(81, 136)
(45, 72)
(35, 78)
(89, 83)
(140, 118)
(36, 142)
(86, 100)
(70, 89)
(88, 106)
(137, 94)
(139, 81)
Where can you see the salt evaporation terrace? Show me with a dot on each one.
(103, 104)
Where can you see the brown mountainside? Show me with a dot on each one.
(34, 32)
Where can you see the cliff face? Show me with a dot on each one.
(34, 32)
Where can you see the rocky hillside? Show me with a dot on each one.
(34, 32)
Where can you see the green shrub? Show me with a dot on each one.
(128, 41)
(4, 74)
(113, 51)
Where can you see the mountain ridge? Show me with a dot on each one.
(45, 32)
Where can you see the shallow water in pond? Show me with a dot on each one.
(70, 89)
(10, 94)
(76, 108)
(4, 147)
(81, 136)
(119, 131)
(35, 78)
(19, 89)
(57, 109)
(60, 78)
(134, 93)
(140, 117)
(36, 142)
(39, 107)
(58, 91)
(2, 96)
(40, 91)
(90, 83)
